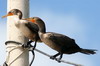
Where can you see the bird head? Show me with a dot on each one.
(39, 22)
(34, 19)
(14, 12)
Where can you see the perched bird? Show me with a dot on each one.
(28, 29)
(61, 43)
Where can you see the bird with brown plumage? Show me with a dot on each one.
(59, 42)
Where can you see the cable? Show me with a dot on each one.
(67, 62)
(32, 48)
(32, 58)
(5, 64)
(18, 43)
(15, 47)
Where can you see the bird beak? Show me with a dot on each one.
(9, 14)
(30, 19)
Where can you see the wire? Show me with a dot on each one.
(31, 49)
(32, 58)
(18, 43)
(67, 62)
(15, 47)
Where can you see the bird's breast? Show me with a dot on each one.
(25, 31)
(50, 43)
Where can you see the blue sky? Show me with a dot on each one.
(78, 19)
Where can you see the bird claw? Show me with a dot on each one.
(52, 57)
(27, 45)
(58, 60)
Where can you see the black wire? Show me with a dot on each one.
(5, 64)
(33, 47)
(32, 50)
(32, 58)
(6, 43)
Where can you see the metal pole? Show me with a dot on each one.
(16, 56)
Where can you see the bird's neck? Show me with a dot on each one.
(16, 20)
(42, 27)
(42, 30)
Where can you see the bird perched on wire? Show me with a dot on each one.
(28, 29)
(59, 42)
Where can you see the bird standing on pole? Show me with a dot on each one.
(61, 43)
(28, 29)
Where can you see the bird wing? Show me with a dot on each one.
(62, 40)
(33, 27)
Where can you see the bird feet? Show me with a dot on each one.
(57, 59)
(27, 45)
(54, 58)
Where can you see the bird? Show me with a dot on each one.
(59, 42)
(28, 29)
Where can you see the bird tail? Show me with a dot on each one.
(88, 51)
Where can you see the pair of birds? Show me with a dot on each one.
(34, 29)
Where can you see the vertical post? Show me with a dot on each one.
(15, 35)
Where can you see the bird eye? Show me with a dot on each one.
(10, 12)
(14, 12)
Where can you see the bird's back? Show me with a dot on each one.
(61, 43)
